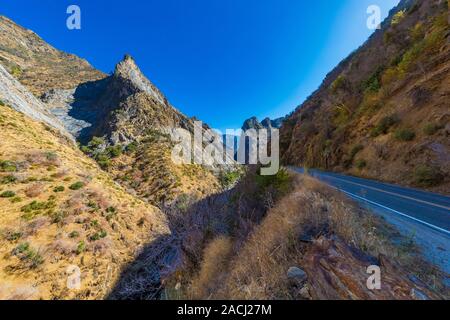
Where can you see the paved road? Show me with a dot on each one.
(429, 209)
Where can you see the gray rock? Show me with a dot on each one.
(20, 99)
(297, 275)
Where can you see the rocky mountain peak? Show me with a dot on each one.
(129, 71)
(253, 123)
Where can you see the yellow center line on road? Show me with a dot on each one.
(391, 193)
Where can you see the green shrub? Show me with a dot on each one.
(59, 189)
(7, 166)
(398, 17)
(16, 71)
(280, 182)
(373, 84)
(103, 160)
(8, 194)
(114, 151)
(132, 147)
(76, 186)
(81, 247)
(384, 125)
(229, 179)
(361, 164)
(28, 255)
(98, 235)
(355, 150)
(8, 179)
(338, 84)
(74, 234)
(2, 103)
(58, 217)
(13, 236)
(431, 129)
(427, 176)
(96, 142)
(16, 200)
(404, 135)
(36, 206)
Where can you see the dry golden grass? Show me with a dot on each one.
(256, 267)
(213, 268)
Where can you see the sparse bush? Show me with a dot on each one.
(81, 247)
(8, 166)
(96, 142)
(417, 32)
(404, 135)
(16, 71)
(228, 179)
(16, 200)
(7, 194)
(98, 235)
(58, 217)
(384, 125)
(37, 206)
(373, 84)
(103, 160)
(398, 17)
(427, 176)
(431, 129)
(132, 147)
(2, 103)
(338, 84)
(76, 186)
(12, 236)
(74, 234)
(355, 150)
(279, 183)
(361, 164)
(59, 189)
(8, 179)
(29, 256)
(114, 151)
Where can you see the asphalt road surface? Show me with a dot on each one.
(429, 209)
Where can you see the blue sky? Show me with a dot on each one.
(222, 61)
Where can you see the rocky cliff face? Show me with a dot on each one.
(37, 65)
(383, 112)
(19, 98)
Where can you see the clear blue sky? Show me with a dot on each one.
(220, 60)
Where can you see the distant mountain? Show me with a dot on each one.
(253, 123)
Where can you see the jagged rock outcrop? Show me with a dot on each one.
(340, 273)
(15, 95)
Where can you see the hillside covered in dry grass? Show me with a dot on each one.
(383, 113)
(305, 241)
(57, 209)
